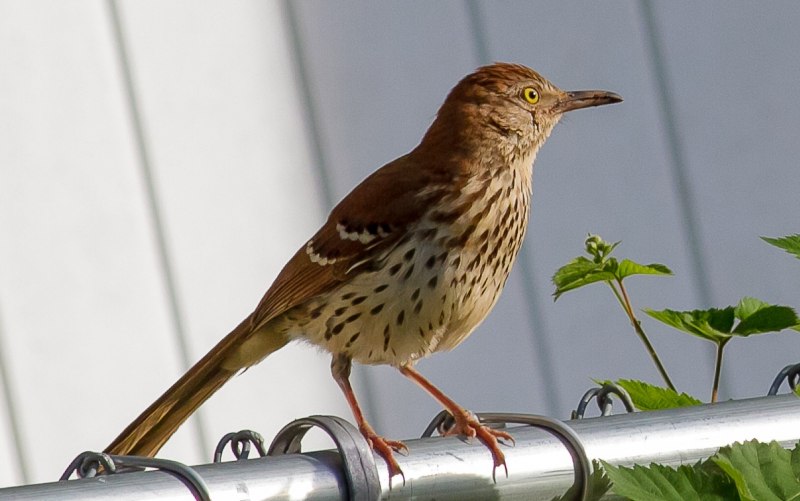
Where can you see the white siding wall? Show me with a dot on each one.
(101, 284)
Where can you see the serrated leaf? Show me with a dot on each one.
(581, 271)
(789, 243)
(771, 318)
(599, 484)
(627, 268)
(712, 324)
(648, 397)
(747, 306)
(662, 483)
(758, 317)
(574, 270)
(761, 472)
(795, 459)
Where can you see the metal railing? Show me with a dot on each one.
(549, 456)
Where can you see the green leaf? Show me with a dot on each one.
(790, 244)
(599, 484)
(627, 268)
(648, 397)
(758, 317)
(795, 460)
(770, 319)
(662, 483)
(712, 324)
(747, 306)
(751, 471)
(761, 472)
(581, 271)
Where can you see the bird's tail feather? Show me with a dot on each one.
(148, 432)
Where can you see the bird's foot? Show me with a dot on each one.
(385, 449)
(467, 424)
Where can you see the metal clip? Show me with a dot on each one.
(604, 401)
(357, 459)
(580, 461)
(240, 445)
(88, 464)
(443, 422)
(791, 373)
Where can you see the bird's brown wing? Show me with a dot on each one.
(368, 222)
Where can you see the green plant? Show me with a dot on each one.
(789, 243)
(717, 325)
(602, 267)
(750, 471)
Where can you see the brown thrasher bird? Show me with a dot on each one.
(407, 264)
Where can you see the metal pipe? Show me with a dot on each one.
(539, 466)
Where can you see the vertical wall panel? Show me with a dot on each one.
(12, 456)
(733, 69)
(79, 290)
(225, 130)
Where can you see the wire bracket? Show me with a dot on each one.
(240, 442)
(790, 373)
(604, 402)
(88, 464)
(358, 461)
(561, 430)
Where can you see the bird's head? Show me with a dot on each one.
(509, 106)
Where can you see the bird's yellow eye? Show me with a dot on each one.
(531, 95)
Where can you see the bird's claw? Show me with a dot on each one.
(386, 448)
(467, 424)
(489, 437)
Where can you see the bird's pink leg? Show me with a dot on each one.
(465, 422)
(340, 368)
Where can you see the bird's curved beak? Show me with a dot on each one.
(577, 99)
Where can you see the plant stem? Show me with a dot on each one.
(718, 370)
(624, 301)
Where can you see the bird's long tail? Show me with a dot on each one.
(148, 432)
